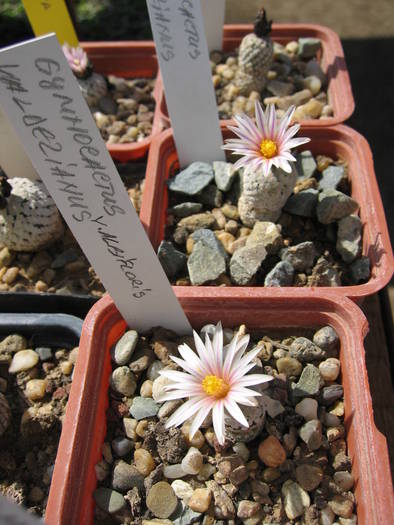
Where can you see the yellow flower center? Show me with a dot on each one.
(215, 386)
(268, 148)
(76, 61)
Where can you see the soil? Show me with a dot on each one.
(73, 275)
(257, 480)
(28, 446)
(295, 230)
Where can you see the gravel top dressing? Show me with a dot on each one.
(310, 233)
(289, 466)
(61, 267)
(34, 386)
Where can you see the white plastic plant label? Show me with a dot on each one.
(213, 13)
(13, 159)
(43, 102)
(178, 31)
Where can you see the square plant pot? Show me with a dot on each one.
(71, 290)
(45, 333)
(337, 141)
(332, 61)
(84, 429)
(128, 60)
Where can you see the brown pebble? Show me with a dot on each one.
(10, 275)
(271, 452)
(144, 463)
(200, 500)
(161, 500)
(36, 389)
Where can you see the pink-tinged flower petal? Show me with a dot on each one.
(253, 379)
(188, 367)
(234, 411)
(218, 421)
(268, 127)
(185, 411)
(201, 351)
(293, 143)
(218, 345)
(200, 417)
(243, 391)
(285, 121)
(175, 375)
(241, 400)
(192, 359)
(170, 396)
(260, 119)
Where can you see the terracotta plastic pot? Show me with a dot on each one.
(332, 61)
(128, 60)
(71, 501)
(335, 141)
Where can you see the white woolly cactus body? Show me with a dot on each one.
(263, 197)
(93, 85)
(30, 221)
(255, 57)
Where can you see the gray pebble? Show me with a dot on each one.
(245, 263)
(302, 203)
(331, 393)
(143, 407)
(193, 179)
(334, 205)
(184, 515)
(205, 264)
(171, 259)
(301, 256)
(360, 270)
(208, 238)
(109, 500)
(308, 47)
(125, 347)
(123, 381)
(311, 434)
(349, 238)
(282, 274)
(185, 209)
(305, 351)
(224, 174)
(121, 446)
(309, 383)
(44, 353)
(305, 165)
(331, 177)
(211, 196)
(327, 339)
(125, 477)
(154, 369)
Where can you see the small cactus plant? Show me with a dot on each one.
(93, 85)
(30, 220)
(269, 177)
(255, 57)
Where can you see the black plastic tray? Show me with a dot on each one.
(20, 302)
(44, 329)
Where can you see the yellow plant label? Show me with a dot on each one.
(51, 16)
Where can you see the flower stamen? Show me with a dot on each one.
(215, 386)
(268, 148)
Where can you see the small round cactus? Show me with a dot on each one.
(5, 414)
(93, 86)
(255, 57)
(30, 220)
